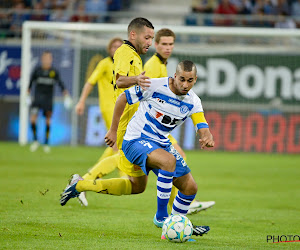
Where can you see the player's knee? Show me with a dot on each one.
(137, 188)
(169, 163)
(193, 188)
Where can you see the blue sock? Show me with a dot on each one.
(164, 187)
(182, 203)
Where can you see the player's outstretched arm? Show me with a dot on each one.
(128, 81)
(80, 106)
(111, 135)
(206, 138)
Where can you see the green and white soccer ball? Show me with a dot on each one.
(177, 228)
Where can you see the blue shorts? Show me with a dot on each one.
(136, 151)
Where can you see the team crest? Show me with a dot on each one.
(184, 109)
(52, 74)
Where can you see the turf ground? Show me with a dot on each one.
(256, 195)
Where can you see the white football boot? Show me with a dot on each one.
(198, 206)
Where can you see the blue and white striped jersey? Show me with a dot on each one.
(160, 110)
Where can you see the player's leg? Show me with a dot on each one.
(48, 115)
(187, 191)
(186, 194)
(196, 205)
(33, 118)
(102, 168)
(181, 152)
(115, 186)
(166, 163)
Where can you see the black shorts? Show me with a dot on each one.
(43, 104)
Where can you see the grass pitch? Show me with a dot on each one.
(256, 195)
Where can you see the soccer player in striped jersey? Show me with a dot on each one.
(156, 67)
(163, 106)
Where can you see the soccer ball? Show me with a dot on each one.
(177, 228)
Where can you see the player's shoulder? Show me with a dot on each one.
(105, 61)
(193, 96)
(159, 82)
(124, 50)
(152, 61)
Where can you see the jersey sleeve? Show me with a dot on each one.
(59, 81)
(97, 73)
(197, 114)
(152, 69)
(32, 79)
(122, 64)
(137, 94)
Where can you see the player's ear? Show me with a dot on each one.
(132, 35)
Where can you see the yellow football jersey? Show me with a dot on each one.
(103, 76)
(156, 67)
(127, 62)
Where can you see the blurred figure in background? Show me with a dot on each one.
(44, 78)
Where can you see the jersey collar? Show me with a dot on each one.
(164, 61)
(130, 45)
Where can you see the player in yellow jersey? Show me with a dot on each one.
(127, 71)
(156, 67)
(103, 77)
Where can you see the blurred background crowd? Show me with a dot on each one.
(259, 13)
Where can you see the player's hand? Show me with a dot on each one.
(110, 138)
(80, 107)
(143, 81)
(206, 142)
(68, 102)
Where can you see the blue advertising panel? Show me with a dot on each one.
(10, 70)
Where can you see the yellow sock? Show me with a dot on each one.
(102, 168)
(107, 153)
(114, 186)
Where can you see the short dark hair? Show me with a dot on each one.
(186, 66)
(139, 23)
(47, 52)
(164, 32)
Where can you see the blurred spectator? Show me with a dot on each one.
(98, 8)
(18, 17)
(282, 8)
(115, 5)
(295, 9)
(204, 6)
(59, 14)
(260, 20)
(244, 7)
(225, 7)
(4, 24)
(80, 15)
(47, 4)
(285, 22)
(38, 14)
(266, 6)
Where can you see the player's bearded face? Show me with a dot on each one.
(184, 81)
(144, 40)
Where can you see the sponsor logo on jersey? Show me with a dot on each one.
(160, 100)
